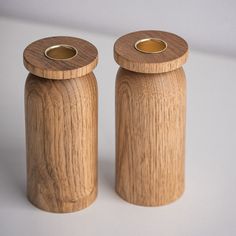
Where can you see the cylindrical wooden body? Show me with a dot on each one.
(150, 136)
(61, 138)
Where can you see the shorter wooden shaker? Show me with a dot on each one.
(150, 117)
(61, 113)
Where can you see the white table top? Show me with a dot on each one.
(208, 206)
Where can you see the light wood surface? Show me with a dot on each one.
(150, 136)
(150, 118)
(61, 137)
(131, 59)
(83, 63)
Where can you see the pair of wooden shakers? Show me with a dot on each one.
(61, 112)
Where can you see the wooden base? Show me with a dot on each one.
(147, 204)
(65, 207)
(150, 136)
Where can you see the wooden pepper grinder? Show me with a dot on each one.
(150, 117)
(61, 123)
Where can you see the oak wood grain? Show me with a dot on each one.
(83, 63)
(61, 137)
(61, 111)
(150, 136)
(131, 59)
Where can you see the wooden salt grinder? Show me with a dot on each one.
(61, 123)
(150, 117)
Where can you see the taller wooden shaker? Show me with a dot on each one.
(61, 113)
(150, 117)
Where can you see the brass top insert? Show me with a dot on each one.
(61, 52)
(151, 45)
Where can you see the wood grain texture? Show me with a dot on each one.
(131, 59)
(150, 136)
(82, 64)
(61, 137)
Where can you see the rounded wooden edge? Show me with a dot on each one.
(157, 204)
(37, 63)
(172, 58)
(78, 206)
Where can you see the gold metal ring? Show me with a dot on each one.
(61, 52)
(150, 45)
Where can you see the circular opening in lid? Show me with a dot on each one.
(61, 52)
(151, 45)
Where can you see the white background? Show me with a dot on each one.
(209, 25)
(208, 206)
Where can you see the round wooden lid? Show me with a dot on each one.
(60, 57)
(150, 51)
